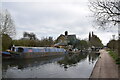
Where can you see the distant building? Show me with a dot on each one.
(65, 40)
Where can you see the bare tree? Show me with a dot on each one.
(7, 24)
(25, 34)
(106, 12)
(31, 36)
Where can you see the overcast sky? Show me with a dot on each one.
(53, 17)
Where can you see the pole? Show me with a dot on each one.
(119, 40)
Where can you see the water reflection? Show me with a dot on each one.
(24, 63)
(69, 66)
(72, 60)
(92, 57)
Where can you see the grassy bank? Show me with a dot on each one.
(114, 56)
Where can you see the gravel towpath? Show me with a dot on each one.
(105, 67)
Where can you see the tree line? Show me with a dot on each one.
(32, 41)
(113, 44)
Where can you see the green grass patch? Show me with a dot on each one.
(114, 56)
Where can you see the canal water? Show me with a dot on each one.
(67, 66)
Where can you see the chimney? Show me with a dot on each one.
(66, 33)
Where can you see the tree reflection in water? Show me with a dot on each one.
(24, 63)
(72, 60)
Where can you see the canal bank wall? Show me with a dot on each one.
(105, 67)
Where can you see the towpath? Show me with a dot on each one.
(105, 67)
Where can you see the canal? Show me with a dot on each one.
(66, 66)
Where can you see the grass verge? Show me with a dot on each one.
(114, 56)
